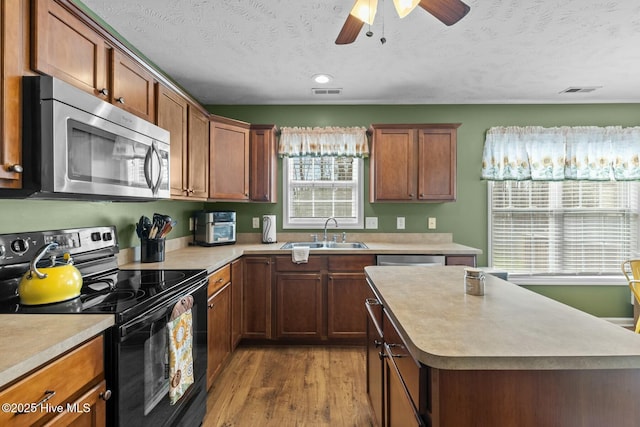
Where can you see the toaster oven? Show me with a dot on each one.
(214, 228)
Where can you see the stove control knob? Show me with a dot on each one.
(19, 246)
(95, 237)
(107, 236)
(3, 251)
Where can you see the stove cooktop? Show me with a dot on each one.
(123, 293)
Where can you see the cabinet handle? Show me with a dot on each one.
(104, 91)
(421, 195)
(411, 195)
(377, 343)
(105, 395)
(120, 100)
(210, 305)
(48, 394)
(219, 280)
(391, 353)
(15, 168)
(381, 355)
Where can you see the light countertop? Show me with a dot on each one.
(507, 328)
(31, 340)
(214, 257)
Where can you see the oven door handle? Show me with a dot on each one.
(156, 314)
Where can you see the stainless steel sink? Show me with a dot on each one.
(325, 245)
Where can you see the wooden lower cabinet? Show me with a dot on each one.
(74, 381)
(218, 322)
(237, 280)
(375, 360)
(256, 303)
(299, 305)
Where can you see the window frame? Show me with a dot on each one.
(357, 223)
(556, 278)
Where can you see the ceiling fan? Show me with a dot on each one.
(447, 11)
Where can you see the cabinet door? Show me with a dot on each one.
(437, 164)
(132, 86)
(229, 162)
(299, 305)
(399, 408)
(263, 164)
(89, 410)
(218, 331)
(66, 48)
(237, 278)
(393, 165)
(256, 291)
(375, 361)
(172, 116)
(11, 19)
(198, 154)
(346, 294)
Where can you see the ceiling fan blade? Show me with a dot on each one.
(350, 30)
(447, 11)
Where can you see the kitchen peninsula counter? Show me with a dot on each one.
(509, 327)
(508, 358)
(32, 340)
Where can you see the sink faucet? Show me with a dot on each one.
(324, 239)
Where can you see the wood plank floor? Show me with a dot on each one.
(291, 386)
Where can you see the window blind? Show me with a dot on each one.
(322, 187)
(562, 228)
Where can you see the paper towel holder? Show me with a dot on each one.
(269, 229)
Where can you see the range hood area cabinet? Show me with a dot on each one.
(189, 129)
(413, 162)
(67, 47)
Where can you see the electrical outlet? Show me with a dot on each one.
(256, 222)
(371, 222)
(400, 223)
(432, 223)
(191, 224)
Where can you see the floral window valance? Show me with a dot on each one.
(325, 141)
(552, 154)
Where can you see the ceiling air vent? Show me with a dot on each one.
(580, 89)
(323, 91)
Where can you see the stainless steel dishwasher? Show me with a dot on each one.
(415, 260)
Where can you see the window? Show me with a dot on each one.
(317, 188)
(562, 228)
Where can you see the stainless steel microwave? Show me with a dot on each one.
(78, 146)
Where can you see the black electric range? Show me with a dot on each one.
(141, 300)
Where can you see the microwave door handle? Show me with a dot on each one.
(147, 168)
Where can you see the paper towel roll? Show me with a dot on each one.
(269, 229)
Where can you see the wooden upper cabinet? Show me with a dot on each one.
(133, 86)
(263, 164)
(11, 21)
(198, 154)
(413, 163)
(65, 47)
(229, 159)
(172, 110)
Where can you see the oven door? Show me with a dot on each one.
(142, 365)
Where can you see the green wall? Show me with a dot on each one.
(466, 218)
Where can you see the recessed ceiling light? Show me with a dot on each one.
(322, 78)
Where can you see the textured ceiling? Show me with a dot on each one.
(503, 51)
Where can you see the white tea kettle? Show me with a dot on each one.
(45, 285)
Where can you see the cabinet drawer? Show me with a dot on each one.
(355, 263)
(218, 279)
(316, 263)
(413, 374)
(54, 384)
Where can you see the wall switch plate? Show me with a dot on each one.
(371, 222)
(256, 222)
(400, 223)
(191, 224)
(432, 223)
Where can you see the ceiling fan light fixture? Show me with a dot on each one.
(405, 7)
(365, 10)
